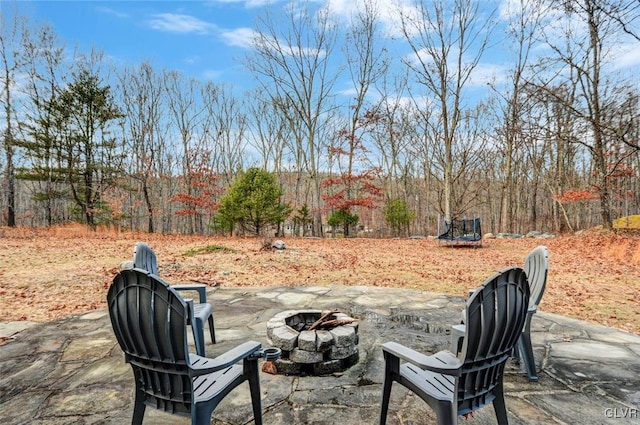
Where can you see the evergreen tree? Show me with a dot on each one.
(344, 218)
(46, 167)
(302, 219)
(84, 113)
(398, 216)
(253, 202)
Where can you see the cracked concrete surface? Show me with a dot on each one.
(72, 372)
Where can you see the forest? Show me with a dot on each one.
(552, 146)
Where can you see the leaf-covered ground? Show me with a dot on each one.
(45, 275)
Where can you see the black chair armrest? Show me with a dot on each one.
(200, 288)
(443, 362)
(203, 365)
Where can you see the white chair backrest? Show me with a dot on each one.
(144, 258)
(536, 266)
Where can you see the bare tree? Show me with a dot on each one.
(291, 59)
(354, 185)
(12, 32)
(186, 113)
(144, 102)
(448, 39)
(268, 133)
(392, 134)
(582, 39)
(524, 20)
(44, 56)
(224, 126)
(627, 120)
(549, 124)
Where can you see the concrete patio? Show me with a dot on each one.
(72, 372)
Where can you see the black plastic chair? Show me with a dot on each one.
(145, 258)
(536, 265)
(453, 386)
(149, 319)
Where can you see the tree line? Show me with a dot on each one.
(552, 147)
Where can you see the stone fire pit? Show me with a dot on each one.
(319, 351)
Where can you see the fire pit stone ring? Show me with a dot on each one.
(313, 342)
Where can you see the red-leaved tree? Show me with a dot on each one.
(201, 193)
(355, 185)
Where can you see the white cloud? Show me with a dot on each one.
(284, 48)
(304, 51)
(249, 4)
(389, 12)
(241, 37)
(342, 8)
(418, 102)
(512, 9)
(482, 73)
(113, 12)
(182, 24)
(211, 74)
(349, 92)
(626, 56)
(486, 73)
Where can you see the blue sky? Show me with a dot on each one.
(207, 39)
(203, 39)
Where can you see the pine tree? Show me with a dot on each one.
(90, 156)
(253, 202)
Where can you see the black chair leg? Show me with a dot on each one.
(198, 336)
(201, 414)
(138, 410)
(212, 330)
(499, 406)
(446, 414)
(386, 394)
(251, 371)
(391, 369)
(526, 352)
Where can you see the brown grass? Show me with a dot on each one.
(48, 274)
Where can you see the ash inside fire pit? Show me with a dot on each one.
(313, 342)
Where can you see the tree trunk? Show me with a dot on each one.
(147, 201)
(10, 177)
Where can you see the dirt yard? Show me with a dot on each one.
(45, 275)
